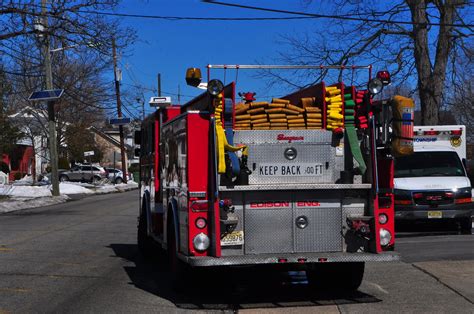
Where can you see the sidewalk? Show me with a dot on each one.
(17, 197)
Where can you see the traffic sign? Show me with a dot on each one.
(89, 153)
(119, 121)
(48, 94)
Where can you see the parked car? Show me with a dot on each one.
(116, 175)
(84, 173)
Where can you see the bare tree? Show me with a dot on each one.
(414, 39)
(81, 58)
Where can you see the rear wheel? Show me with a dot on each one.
(118, 180)
(63, 178)
(466, 225)
(179, 270)
(146, 245)
(336, 276)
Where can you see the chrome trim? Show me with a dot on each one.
(197, 194)
(269, 187)
(292, 258)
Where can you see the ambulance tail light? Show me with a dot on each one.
(463, 196)
(463, 200)
(403, 202)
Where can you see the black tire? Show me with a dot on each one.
(118, 180)
(336, 276)
(183, 276)
(466, 225)
(63, 178)
(146, 245)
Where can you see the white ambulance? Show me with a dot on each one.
(432, 183)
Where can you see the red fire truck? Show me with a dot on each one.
(216, 192)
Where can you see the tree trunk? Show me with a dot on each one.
(431, 78)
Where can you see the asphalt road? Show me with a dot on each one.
(82, 257)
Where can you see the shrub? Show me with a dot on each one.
(134, 168)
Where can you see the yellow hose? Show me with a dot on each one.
(222, 144)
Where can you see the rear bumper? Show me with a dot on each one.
(292, 258)
(463, 211)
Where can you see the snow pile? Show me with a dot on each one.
(24, 191)
(72, 188)
(18, 203)
(28, 196)
(26, 180)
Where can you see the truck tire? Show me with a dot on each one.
(146, 245)
(336, 276)
(466, 225)
(180, 272)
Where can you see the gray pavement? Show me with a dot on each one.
(81, 256)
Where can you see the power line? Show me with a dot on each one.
(333, 16)
(305, 15)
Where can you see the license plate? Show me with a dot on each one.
(233, 238)
(435, 214)
(290, 170)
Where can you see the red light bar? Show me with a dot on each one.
(430, 132)
(456, 132)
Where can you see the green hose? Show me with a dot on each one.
(355, 148)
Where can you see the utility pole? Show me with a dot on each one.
(53, 150)
(159, 84)
(119, 111)
(179, 94)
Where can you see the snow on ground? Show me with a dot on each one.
(22, 196)
(13, 204)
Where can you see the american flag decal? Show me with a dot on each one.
(407, 126)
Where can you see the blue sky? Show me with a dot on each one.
(169, 47)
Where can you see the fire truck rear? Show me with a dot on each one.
(304, 181)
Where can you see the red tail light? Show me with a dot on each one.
(417, 195)
(431, 132)
(199, 206)
(463, 200)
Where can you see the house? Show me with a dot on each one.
(109, 142)
(30, 154)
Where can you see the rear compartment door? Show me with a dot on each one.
(291, 156)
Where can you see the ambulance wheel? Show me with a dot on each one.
(466, 225)
(146, 245)
(336, 276)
